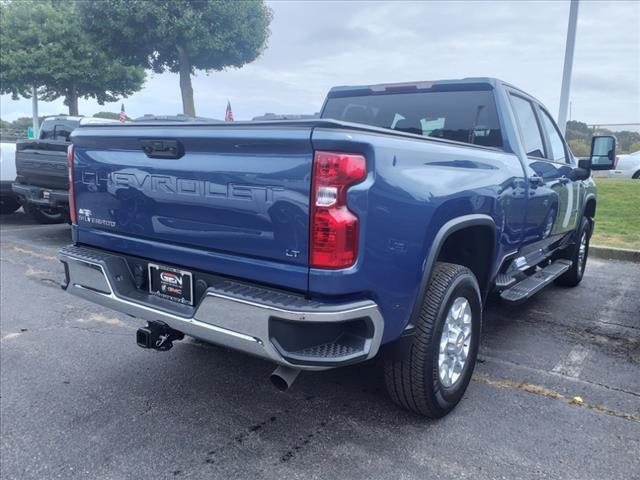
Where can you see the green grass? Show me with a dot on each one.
(617, 213)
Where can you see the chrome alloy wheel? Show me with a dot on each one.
(582, 251)
(455, 342)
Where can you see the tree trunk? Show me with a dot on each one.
(188, 107)
(72, 102)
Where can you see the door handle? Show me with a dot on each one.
(160, 148)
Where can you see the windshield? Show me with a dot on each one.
(463, 116)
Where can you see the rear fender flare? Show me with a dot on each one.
(444, 232)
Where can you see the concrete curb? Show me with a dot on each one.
(609, 253)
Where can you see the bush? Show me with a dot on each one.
(580, 147)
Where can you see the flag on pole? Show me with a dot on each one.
(228, 116)
(123, 116)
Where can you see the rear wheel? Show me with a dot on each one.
(434, 375)
(636, 175)
(578, 254)
(8, 205)
(46, 215)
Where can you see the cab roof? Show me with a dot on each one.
(482, 83)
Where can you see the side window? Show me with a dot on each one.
(529, 129)
(557, 153)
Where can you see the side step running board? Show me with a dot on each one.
(528, 287)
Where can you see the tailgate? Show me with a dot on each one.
(240, 191)
(43, 164)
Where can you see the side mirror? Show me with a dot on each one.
(603, 152)
(583, 171)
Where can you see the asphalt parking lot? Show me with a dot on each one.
(79, 399)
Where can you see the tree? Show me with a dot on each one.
(180, 36)
(626, 140)
(23, 123)
(43, 44)
(579, 147)
(577, 130)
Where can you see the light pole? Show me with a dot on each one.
(568, 65)
(34, 110)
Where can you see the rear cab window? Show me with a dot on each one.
(467, 116)
(62, 132)
(57, 129)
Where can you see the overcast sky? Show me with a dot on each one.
(315, 45)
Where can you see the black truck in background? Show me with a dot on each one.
(42, 175)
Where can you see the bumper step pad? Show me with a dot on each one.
(343, 348)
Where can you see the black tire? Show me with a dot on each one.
(414, 382)
(46, 215)
(636, 176)
(8, 205)
(573, 276)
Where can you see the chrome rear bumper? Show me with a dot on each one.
(267, 323)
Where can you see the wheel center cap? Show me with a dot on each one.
(460, 342)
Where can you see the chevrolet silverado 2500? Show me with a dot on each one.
(378, 229)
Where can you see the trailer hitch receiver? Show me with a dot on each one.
(157, 336)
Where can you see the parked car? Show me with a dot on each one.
(378, 229)
(627, 166)
(42, 182)
(8, 200)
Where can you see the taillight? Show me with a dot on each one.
(72, 191)
(334, 228)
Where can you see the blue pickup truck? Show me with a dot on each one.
(378, 229)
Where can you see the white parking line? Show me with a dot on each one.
(24, 227)
(10, 335)
(546, 373)
(572, 365)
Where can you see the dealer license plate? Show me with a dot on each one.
(171, 283)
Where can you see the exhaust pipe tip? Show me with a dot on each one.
(283, 377)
